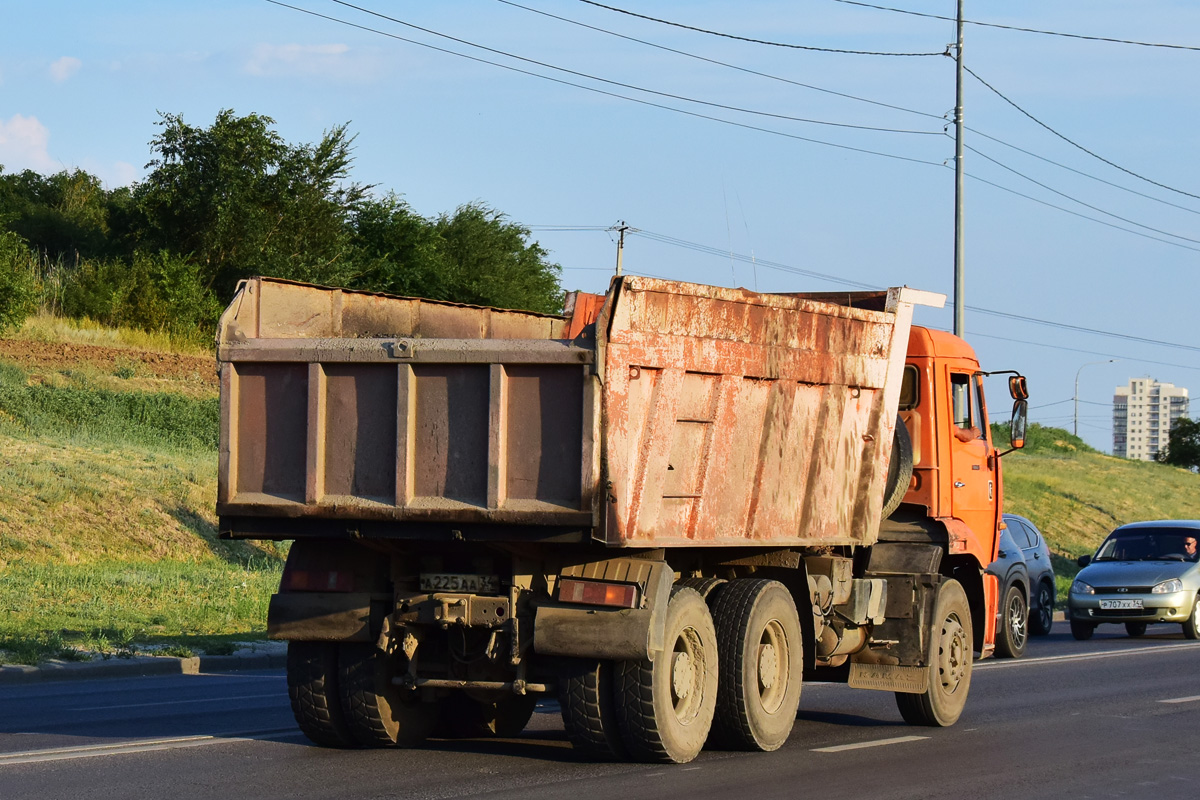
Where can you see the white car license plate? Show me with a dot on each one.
(450, 582)
(1129, 602)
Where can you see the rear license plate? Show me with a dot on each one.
(450, 582)
(1129, 602)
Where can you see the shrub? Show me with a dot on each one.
(18, 281)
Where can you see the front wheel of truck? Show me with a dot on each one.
(312, 669)
(379, 713)
(665, 706)
(950, 656)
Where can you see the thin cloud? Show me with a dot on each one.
(285, 60)
(64, 68)
(24, 144)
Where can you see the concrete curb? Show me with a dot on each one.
(269, 655)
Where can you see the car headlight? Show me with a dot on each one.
(1173, 585)
(1079, 587)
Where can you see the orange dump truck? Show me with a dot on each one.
(667, 508)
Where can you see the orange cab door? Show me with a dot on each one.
(973, 478)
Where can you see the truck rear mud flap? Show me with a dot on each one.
(888, 677)
(320, 616)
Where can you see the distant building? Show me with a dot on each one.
(1143, 413)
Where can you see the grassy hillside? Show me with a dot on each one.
(107, 489)
(1076, 495)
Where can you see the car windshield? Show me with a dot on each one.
(1148, 544)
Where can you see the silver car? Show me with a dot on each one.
(1143, 573)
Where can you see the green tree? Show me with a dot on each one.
(18, 281)
(239, 200)
(63, 217)
(397, 250)
(489, 262)
(473, 256)
(1183, 445)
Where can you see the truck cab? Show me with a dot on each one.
(956, 465)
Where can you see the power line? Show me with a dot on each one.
(1085, 352)
(866, 100)
(725, 63)
(722, 253)
(1081, 172)
(1077, 200)
(754, 41)
(622, 85)
(1016, 28)
(1081, 216)
(1071, 142)
(774, 265)
(604, 92)
(1081, 329)
(681, 111)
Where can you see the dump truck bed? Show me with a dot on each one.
(663, 414)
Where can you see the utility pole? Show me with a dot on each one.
(1075, 428)
(959, 269)
(620, 227)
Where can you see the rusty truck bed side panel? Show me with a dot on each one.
(738, 418)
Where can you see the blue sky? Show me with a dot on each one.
(81, 85)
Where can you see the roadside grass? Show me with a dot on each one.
(108, 536)
(1077, 496)
(128, 375)
(49, 328)
(81, 411)
(118, 608)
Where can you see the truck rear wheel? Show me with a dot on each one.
(379, 713)
(761, 656)
(950, 654)
(312, 669)
(589, 709)
(665, 706)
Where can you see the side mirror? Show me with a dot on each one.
(1017, 387)
(1020, 416)
(1083, 561)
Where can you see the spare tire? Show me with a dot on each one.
(900, 469)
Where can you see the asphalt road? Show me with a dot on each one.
(1111, 717)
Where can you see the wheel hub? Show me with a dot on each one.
(952, 663)
(683, 675)
(768, 665)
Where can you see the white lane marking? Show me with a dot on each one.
(860, 745)
(1191, 699)
(1021, 662)
(178, 702)
(135, 746)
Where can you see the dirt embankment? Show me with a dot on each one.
(123, 362)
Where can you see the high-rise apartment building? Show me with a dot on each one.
(1143, 413)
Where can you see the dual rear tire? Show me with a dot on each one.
(668, 708)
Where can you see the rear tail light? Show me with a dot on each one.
(598, 593)
(317, 580)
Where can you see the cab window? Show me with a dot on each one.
(968, 403)
(960, 391)
(910, 388)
